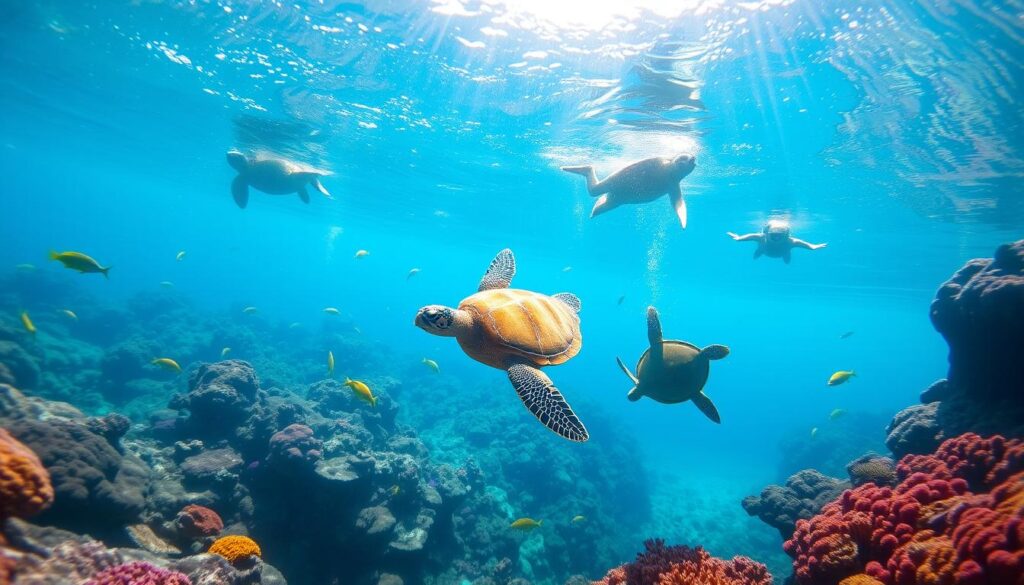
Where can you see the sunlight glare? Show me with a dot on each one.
(596, 14)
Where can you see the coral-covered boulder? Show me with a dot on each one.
(294, 447)
(872, 468)
(681, 565)
(915, 429)
(220, 395)
(803, 496)
(20, 367)
(980, 313)
(25, 488)
(95, 487)
(236, 549)
(198, 521)
(952, 517)
(111, 427)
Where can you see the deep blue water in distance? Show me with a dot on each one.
(888, 129)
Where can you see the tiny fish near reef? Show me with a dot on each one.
(167, 364)
(80, 262)
(526, 524)
(840, 377)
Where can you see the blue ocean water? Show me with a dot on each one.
(888, 129)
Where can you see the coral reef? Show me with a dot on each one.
(953, 517)
(680, 565)
(25, 488)
(872, 468)
(803, 496)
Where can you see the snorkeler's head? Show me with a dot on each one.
(436, 319)
(776, 229)
(684, 164)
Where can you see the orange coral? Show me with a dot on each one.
(234, 548)
(25, 487)
(860, 579)
(707, 570)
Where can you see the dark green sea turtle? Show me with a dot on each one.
(673, 371)
(274, 176)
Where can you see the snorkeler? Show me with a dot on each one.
(774, 241)
(640, 182)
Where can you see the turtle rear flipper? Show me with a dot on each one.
(707, 407)
(240, 191)
(303, 194)
(570, 299)
(714, 351)
(499, 274)
(634, 392)
(543, 399)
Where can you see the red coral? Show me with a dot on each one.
(25, 487)
(197, 521)
(955, 518)
(681, 565)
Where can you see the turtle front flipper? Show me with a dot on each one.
(499, 274)
(707, 407)
(543, 399)
(303, 194)
(714, 351)
(653, 327)
(634, 392)
(240, 191)
(676, 195)
(320, 187)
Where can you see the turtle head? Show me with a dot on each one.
(237, 160)
(437, 320)
(684, 165)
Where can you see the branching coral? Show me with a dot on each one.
(235, 548)
(138, 573)
(24, 483)
(681, 565)
(955, 517)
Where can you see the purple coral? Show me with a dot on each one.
(138, 573)
(295, 445)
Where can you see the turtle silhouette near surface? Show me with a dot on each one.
(673, 371)
(274, 176)
(640, 182)
(518, 331)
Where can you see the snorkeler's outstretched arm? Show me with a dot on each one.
(798, 243)
(745, 238)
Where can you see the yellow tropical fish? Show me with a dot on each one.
(814, 432)
(180, 256)
(526, 524)
(167, 364)
(836, 414)
(27, 323)
(330, 364)
(26, 267)
(432, 365)
(362, 391)
(250, 310)
(167, 284)
(394, 490)
(69, 314)
(412, 273)
(332, 311)
(79, 261)
(224, 352)
(362, 254)
(840, 377)
(578, 519)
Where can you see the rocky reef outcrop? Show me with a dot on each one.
(803, 496)
(979, 311)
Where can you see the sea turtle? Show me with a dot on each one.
(639, 182)
(273, 176)
(673, 371)
(775, 241)
(518, 331)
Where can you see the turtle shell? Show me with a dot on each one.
(679, 376)
(520, 325)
